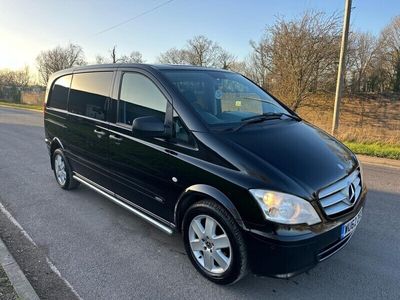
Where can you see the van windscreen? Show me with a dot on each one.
(222, 97)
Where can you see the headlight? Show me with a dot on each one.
(285, 208)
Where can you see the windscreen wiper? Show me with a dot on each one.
(269, 115)
(264, 117)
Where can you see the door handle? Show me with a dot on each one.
(171, 152)
(99, 132)
(115, 138)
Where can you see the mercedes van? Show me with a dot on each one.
(208, 154)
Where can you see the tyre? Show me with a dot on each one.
(214, 242)
(63, 171)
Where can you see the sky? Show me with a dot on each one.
(30, 26)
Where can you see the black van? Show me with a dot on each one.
(208, 153)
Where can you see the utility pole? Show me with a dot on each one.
(342, 67)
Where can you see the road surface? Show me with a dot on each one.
(105, 252)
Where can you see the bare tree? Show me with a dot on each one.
(100, 59)
(226, 60)
(390, 42)
(173, 56)
(380, 77)
(259, 62)
(57, 59)
(199, 51)
(298, 54)
(16, 78)
(240, 67)
(6, 78)
(202, 51)
(12, 82)
(22, 77)
(134, 58)
(113, 54)
(362, 53)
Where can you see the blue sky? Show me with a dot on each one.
(27, 26)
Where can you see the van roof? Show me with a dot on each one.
(148, 67)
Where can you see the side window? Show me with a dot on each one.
(59, 92)
(139, 97)
(180, 133)
(89, 93)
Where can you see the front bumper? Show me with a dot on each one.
(284, 256)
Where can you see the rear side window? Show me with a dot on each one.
(139, 97)
(59, 93)
(89, 93)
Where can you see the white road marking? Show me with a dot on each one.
(11, 218)
(51, 265)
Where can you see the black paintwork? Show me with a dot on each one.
(283, 155)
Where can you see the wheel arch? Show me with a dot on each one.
(54, 144)
(198, 192)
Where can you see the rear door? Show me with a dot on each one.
(55, 113)
(87, 140)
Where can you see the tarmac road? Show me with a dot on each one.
(105, 252)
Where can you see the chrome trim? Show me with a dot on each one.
(334, 209)
(88, 118)
(335, 198)
(55, 122)
(344, 243)
(75, 114)
(285, 275)
(56, 109)
(159, 199)
(59, 142)
(338, 185)
(154, 146)
(118, 125)
(341, 195)
(122, 204)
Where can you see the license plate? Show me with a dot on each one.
(351, 225)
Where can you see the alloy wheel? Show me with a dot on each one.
(210, 244)
(59, 168)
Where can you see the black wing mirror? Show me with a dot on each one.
(148, 127)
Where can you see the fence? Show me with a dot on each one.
(30, 95)
(35, 98)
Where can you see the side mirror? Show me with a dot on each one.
(148, 127)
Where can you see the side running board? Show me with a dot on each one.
(122, 204)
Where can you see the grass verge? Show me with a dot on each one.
(375, 149)
(6, 289)
(19, 105)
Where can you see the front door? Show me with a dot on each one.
(142, 167)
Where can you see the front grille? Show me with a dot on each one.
(342, 195)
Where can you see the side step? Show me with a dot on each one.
(122, 204)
